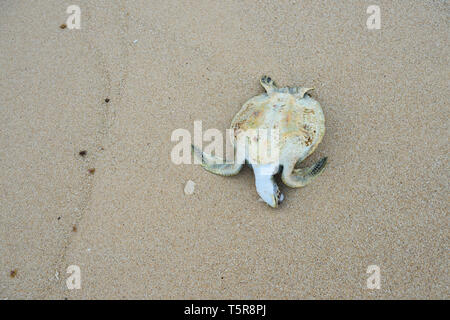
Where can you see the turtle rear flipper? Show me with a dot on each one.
(268, 84)
(217, 165)
(300, 92)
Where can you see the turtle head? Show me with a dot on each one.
(265, 185)
(269, 192)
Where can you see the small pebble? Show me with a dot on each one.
(13, 273)
(189, 187)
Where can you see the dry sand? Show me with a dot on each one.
(382, 200)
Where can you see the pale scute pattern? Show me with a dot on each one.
(299, 124)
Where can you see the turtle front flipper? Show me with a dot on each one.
(268, 84)
(296, 178)
(216, 165)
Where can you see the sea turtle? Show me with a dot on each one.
(299, 121)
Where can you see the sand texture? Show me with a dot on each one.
(131, 226)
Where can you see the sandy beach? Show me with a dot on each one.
(137, 70)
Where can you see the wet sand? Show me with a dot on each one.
(131, 227)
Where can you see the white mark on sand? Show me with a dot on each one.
(189, 187)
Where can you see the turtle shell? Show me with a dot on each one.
(297, 118)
